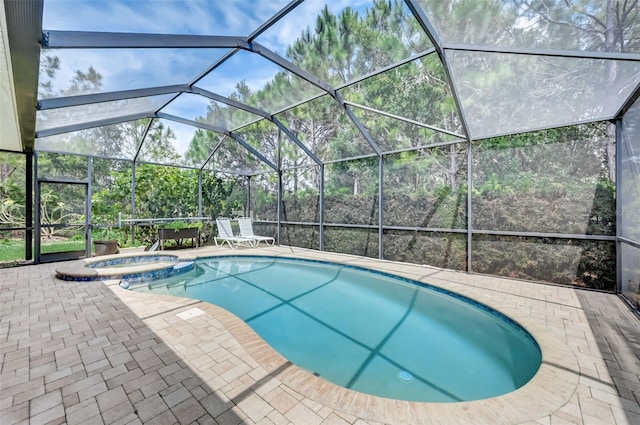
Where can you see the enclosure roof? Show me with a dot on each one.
(221, 84)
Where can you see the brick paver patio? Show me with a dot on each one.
(94, 353)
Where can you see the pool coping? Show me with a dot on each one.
(80, 270)
(551, 388)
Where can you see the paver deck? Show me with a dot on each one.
(92, 352)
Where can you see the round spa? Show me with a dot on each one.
(368, 331)
(130, 269)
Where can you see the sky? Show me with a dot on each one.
(124, 69)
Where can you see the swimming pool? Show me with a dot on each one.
(365, 330)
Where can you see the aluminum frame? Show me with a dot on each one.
(247, 43)
(429, 30)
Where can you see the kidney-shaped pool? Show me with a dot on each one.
(365, 330)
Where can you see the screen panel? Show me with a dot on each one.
(351, 192)
(535, 24)
(301, 236)
(233, 158)
(264, 137)
(113, 141)
(418, 90)
(165, 192)
(201, 109)
(363, 242)
(392, 134)
(264, 197)
(324, 127)
(630, 273)
(60, 166)
(426, 188)
(583, 263)
(238, 17)
(301, 195)
(507, 93)
(446, 250)
(341, 41)
(552, 181)
(630, 174)
(110, 190)
(54, 118)
(62, 218)
(258, 82)
(12, 247)
(224, 195)
(173, 143)
(13, 172)
(71, 72)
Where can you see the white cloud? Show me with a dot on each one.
(213, 17)
(124, 69)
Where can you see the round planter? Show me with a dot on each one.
(105, 247)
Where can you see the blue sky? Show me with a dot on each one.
(137, 68)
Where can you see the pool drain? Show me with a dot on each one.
(405, 376)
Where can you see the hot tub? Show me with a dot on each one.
(131, 268)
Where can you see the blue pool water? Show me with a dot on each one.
(365, 330)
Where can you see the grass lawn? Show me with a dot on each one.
(13, 249)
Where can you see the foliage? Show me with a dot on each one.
(12, 194)
(11, 213)
(552, 181)
(181, 224)
(108, 233)
(161, 192)
(54, 211)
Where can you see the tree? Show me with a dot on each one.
(607, 26)
(12, 191)
(49, 65)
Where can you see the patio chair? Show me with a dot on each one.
(246, 230)
(225, 234)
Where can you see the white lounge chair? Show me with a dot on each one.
(225, 234)
(246, 230)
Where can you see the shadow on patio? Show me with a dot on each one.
(76, 353)
(610, 367)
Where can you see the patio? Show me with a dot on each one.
(95, 353)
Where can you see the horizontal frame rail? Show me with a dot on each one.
(630, 242)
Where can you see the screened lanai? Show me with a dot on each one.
(492, 137)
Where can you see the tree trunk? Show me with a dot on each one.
(453, 167)
(612, 28)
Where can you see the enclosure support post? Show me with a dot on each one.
(619, 211)
(247, 211)
(380, 203)
(280, 187)
(36, 221)
(29, 206)
(321, 207)
(200, 192)
(133, 201)
(279, 209)
(469, 206)
(88, 219)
